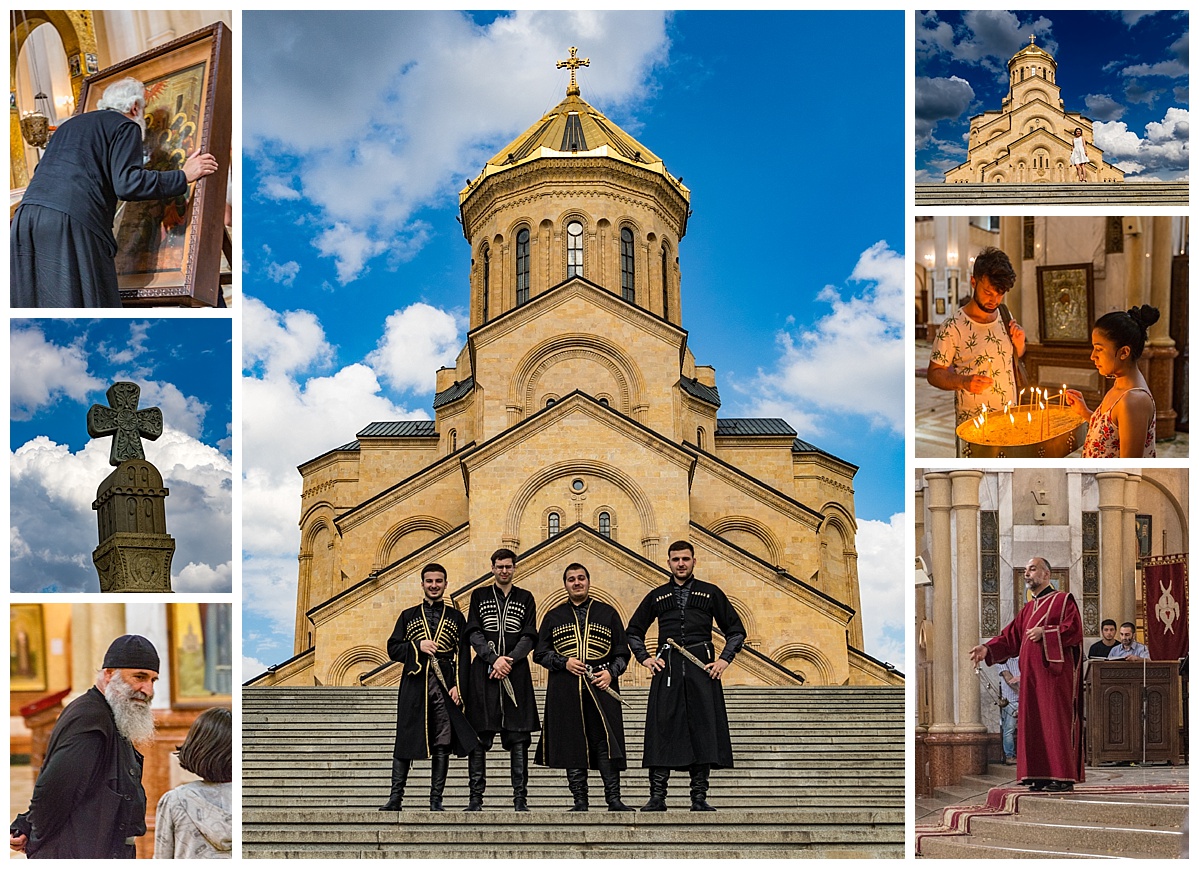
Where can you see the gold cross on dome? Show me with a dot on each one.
(573, 63)
(1032, 39)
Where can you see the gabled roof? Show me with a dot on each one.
(454, 392)
(801, 446)
(743, 427)
(701, 391)
(404, 428)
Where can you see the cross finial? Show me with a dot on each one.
(124, 422)
(573, 63)
(1032, 38)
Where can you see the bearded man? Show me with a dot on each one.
(61, 247)
(88, 800)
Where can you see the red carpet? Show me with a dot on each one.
(955, 821)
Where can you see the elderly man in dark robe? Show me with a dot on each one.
(88, 801)
(1046, 635)
(582, 644)
(686, 725)
(430, 641)
(61, 246)
(501, 626)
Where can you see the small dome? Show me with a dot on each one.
(1032, 51)
(573, 128)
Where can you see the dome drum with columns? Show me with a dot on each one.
(576, 425)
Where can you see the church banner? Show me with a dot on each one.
(1164, 590)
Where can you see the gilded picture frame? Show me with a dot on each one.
(26, 647)
(1066, 302)
(201, 638)
(169, 251)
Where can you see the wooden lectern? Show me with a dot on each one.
(1115, 729)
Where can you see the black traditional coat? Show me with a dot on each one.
(686, 722)
(594, 634)
(61, 242)
(88, 798)
(412, 712)
(497, 625)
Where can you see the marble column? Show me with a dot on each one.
(1111, 549)
(1011, 242)
(1128, 560)
(965, 518)
(93, 628)
(1134, 259)
(1158, 360)
(942, 570)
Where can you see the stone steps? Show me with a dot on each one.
(819, 773)
(1124, 825)
(1146, 193)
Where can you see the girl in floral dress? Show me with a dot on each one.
(1125, 423)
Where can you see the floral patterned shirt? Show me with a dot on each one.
(1103, 436)
(976, 348)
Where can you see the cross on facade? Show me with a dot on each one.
(124, 422)
(572, 63)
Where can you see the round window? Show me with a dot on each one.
(578, 485)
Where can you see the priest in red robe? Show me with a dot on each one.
(1047, 637)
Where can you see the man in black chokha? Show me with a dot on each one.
(582, 643)
(686, 725)
(501, 626)
(430, 641)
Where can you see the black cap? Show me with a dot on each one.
(131, 652)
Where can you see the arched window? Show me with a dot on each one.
(554, 521)
(627, 292)
(665, 283)
(574, 249)
(551, 401)
(605, 524)
(522, 266)
(453, 439)
(486, 281)
(699, 437)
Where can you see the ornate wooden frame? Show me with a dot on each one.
(1062, 280)
(196, 281)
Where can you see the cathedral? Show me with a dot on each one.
(1030, 138)
(577, 425)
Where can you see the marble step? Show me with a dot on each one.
(1147, 193)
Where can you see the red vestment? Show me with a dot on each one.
(1049, 721)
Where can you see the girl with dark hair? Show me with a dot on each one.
(1078, 157)
(1125, 423)
(196, 819)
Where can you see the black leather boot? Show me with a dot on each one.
(699, 788)
(519, 760)
(576, 779)
(441, 766)
(658, 777)
(611, 780)
(478, 779)
(399, 778)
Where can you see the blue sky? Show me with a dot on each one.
(1126, 71)
(792, 263)
(58, 369)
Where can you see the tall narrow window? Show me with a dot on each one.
(574, 249)
(665, 283)
(554, 521)
(522, 267)
(453, 440)
(486, 281)
(626, 266)
(605, 524)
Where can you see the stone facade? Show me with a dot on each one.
(576, 425)
(1030, 138)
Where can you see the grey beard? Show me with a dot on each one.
(135, 721)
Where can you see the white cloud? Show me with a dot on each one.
(135, 347)
(202, 578)
(403, 149)
(251, 667)
(283, 273)
(939, 99)
(881, 583)
(416, 342)
(288, 418)
(986, 37)
(851, 360)
(51, 493)
(1102, 107)
(182, 412)
(41, 372)
(1163, 150)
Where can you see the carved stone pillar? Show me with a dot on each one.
(1111, 549)
(1128, 560)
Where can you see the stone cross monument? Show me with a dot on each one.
(135, 550)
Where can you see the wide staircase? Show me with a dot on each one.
(1146, 193)
(819, 773)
